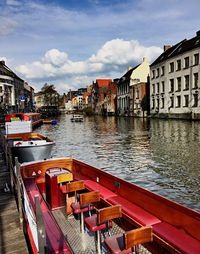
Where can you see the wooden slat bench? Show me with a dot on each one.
(176, 238)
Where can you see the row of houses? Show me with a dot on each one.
(128, 95)
(168, 88)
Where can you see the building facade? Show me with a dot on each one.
(174, 81)
(132, 90)
(11, 89)
(99, 92)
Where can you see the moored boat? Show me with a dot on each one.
(77, 118)
(34, 118)
(29, 146)
(53, 122)
(175, 228)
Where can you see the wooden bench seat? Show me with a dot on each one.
(139, 215)
(177, 238)
(104, 192)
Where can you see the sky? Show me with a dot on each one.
(71, 43)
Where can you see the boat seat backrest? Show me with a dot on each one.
(75, 186)
(89, 197)
(109, 213)
(138, 236)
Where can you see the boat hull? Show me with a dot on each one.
(175, 227)
(32, 153)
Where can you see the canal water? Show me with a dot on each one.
(162, 156)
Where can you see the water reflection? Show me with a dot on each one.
(160, 155)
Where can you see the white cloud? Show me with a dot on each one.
(111, 57)
(55, 57)
(120, 52)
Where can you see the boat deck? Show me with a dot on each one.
(82, 243)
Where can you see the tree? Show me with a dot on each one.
(51, 96)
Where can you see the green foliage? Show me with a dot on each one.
(51, 96)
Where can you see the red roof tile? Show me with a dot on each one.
(103, 82)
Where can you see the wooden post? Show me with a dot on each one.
(40, 227)
(19, 195)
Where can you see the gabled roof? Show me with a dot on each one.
(8, 70)
(129, 72)
(178, 49)
(103, 82)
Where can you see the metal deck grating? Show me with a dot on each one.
(82, 243)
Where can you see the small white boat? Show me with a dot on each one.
(77, 118)
(29, 146)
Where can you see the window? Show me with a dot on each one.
(178, 102)
(171, 67)
(186, 97)
(158, 104)
(195, 100)
(171, 102)
(153, 103)
(162, 102)
(171, 82)
(1, 89)
(153, 74)
(163, 86)
(158, 73)
(158, 88)
(178, 65)
(153, 88)
(137, 93)
(195, 79)
(178, 80)
(186, 62)
(186, 82)
(196, 59)
(162, 70)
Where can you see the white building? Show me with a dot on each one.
(126, 84)
(174, 81)
(11, 88)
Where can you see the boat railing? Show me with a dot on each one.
(35, 219)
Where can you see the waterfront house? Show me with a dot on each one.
(110, 100)
(99, 92)
(132, 90)
(11, 89)
(174, 81)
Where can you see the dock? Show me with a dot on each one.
(12, 239)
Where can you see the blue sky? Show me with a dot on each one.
(71, 43)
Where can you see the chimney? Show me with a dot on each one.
(129, 68)
(145, 59)
(198, 33)
(3, 62)
(166, 47)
